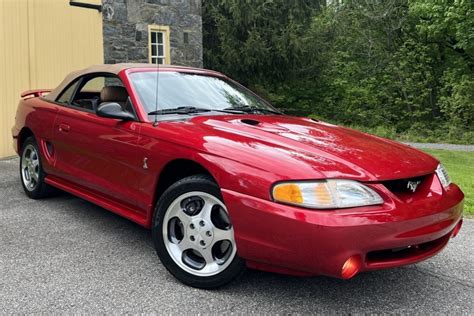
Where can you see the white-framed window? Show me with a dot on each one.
(159, 44)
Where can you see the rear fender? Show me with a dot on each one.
(37, 116)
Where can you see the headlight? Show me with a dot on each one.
(325, 194)
(443, 176)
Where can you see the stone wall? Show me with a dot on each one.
(125, 29)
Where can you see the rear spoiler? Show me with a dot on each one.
(35, 93)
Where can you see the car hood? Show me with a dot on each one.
(303, 148)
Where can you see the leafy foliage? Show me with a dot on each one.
(405, 65)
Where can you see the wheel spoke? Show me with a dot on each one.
(32, 155)
(221, 234)
(207, 255)
(35, 163)
(34, 176)
(206, 210)
(185, 245)
(177, 211)
(184, 218)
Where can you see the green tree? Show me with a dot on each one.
(256, 41)
(404, 64)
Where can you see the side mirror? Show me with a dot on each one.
(114, 110)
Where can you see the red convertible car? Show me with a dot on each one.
(225, 181)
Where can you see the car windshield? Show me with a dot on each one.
(184, 91)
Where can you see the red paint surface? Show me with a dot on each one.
(101, 160)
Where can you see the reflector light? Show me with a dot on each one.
(351, 267)
(456, 229)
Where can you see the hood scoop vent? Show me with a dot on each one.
(250, 122)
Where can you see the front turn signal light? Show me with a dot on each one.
(288, 192)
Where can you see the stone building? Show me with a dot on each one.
(163, 31)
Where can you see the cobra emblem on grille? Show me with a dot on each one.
(412, 185)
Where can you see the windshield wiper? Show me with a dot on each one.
(250, 109)
(192, 109)
(180, 110)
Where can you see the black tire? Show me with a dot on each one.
(41, 189)
(202, 183)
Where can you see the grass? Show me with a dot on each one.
(460, 166)
(450, 135)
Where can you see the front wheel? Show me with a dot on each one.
(194, 236)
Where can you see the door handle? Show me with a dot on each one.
(64, 128)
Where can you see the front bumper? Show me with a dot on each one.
(292, 240)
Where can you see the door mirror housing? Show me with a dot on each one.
(115, 111)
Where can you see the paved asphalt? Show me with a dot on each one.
(66, 255)
(454, 147)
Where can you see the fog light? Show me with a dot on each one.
(351, 267)
(456, 229)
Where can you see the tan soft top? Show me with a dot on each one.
(115, 69)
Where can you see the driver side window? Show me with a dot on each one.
(90, 91)
(97, 89)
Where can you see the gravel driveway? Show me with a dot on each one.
(66, 255)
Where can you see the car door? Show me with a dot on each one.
(96, 154)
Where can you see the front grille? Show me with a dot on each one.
(404, 255)
(404, 185)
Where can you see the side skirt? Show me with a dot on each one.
(99, 200)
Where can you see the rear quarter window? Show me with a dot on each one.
(66, 95)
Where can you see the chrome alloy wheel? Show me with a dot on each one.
(30, 167)
(198, 235)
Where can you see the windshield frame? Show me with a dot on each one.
(191, 71)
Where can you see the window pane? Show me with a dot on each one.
(67, 94)
(88, 97)
(94, 85)
(112, 81)
(186, 38)
(157, 40)
(178, 89)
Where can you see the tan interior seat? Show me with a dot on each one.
(114, 94)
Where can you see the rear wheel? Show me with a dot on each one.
(31, 171)
(194, 236)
